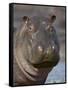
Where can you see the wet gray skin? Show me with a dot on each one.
(39, 41)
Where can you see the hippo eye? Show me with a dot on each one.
(51, 29)
(30, 28)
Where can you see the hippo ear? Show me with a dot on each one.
(25, 18)
(52, 19)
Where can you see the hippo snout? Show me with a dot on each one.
(46, 58)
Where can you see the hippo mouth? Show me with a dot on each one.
(47, 61)
(46, 64)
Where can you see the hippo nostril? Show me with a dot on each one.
(53, 48)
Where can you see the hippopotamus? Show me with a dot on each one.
(36, 50)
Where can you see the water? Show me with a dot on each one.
(57, 75)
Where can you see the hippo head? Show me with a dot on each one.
(40, 41)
